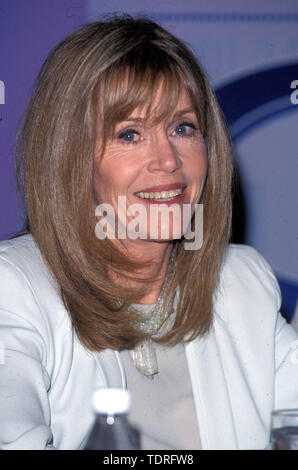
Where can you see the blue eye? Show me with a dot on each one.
(181, 130)
(185, 129)
(129, 136)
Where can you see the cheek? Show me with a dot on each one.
(204, 165)
(113, 178)
(198, 165)
(103, 181)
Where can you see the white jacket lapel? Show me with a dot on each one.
(111, 369)
(213, 407)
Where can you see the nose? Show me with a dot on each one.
(164, 156)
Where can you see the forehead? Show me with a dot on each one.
(155, 98)
(159, 108)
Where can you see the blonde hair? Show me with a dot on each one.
(55, 153)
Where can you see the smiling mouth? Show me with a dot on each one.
(161, 196)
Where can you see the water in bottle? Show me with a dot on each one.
(112, 429)
(285, 438)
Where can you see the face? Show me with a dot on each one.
(152, 164)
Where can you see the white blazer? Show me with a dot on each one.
(245, 368)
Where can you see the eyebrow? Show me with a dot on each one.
(134, 119)
(178, 113)
(183, 111)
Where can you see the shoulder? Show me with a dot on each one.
(27, 287)
(20, 257)
(247, 286)
(21, 251)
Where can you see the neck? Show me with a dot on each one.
(158, 254)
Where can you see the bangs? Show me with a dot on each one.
(127, 86)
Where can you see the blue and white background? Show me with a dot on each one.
(250, 53)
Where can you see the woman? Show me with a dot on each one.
(97, 293)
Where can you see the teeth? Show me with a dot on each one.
(160, 195)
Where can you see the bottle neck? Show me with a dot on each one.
(110, 419)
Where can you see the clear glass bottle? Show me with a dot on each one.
(112, 429)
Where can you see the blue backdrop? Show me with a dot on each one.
(250, 53)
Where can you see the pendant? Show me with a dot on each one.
(144, 357)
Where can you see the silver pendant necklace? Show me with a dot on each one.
(150, 322)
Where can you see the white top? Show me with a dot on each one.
(163, 408)
(239, 372)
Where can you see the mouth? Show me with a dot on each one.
(173, 193)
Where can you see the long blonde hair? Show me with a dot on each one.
(55, 152)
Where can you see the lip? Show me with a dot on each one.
(162, 187)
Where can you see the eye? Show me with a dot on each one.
(184, 129)
(129, 136)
